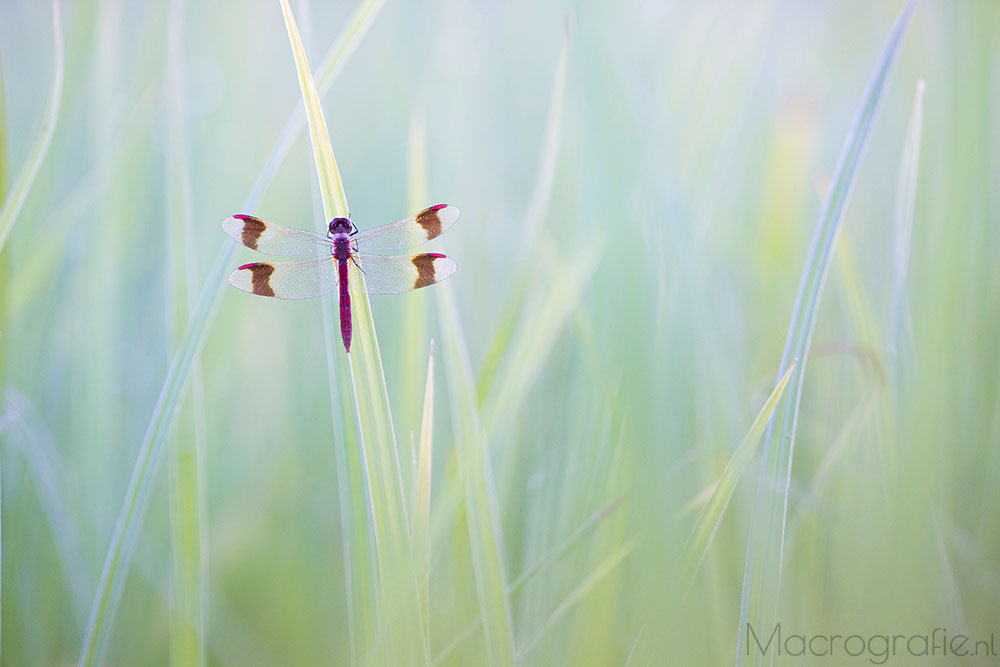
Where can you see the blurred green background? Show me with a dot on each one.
(635, 219)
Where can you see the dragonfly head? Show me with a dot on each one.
(340, 226)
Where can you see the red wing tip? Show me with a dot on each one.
(241, 216)
(436, 255)
(245, 266)
(438, 207)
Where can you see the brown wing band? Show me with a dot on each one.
(252, 229)
(261, 277)
(424, 263)
(429, 220)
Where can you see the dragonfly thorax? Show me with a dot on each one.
(340, 233)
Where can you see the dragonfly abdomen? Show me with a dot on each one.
(345, 305)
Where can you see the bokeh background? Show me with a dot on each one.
(639, 183)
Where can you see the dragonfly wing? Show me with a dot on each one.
(409, 232)
(272, 239)
(302, 279)
(384, 274)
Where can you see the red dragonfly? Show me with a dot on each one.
(335, 252)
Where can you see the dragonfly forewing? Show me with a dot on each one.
(408, 232)
(272, 239)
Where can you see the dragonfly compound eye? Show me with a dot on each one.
(340, 226)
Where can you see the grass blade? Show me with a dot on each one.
(456, 642)
(329, 69)
(3, 321)
(545, 176)
(485, 540)
(330, 185)
(129, 519)
(416, 309)
(906, 195)
(188, 572)
(539, 330)
(541, 197)
(581, 589)
(398, 576)
(23, 429)
(551, 557)
(14, 200)
(765, 546)
(844, 443)
(532, 327)
(422, 499)
(711, 515)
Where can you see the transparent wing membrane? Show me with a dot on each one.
(272, 239)
(302, 279)
(385, 274)
(409, 232)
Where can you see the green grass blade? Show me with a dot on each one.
(539, 330)
(635, 645)
(606, 567)
(188, 571)
(948, 576)
(129, 519)
(416, 195)
(845, 442)
(866, 340)
(372, 405)
(354, 501)
(711, 515)
(355, 477)
(329, 69)
(23, 430)
(422, 496)
(906, 195)
(765, 547)
(456, 641)
(538, 207)
(864, 330)
(531, 327)
(354, 470)
(548, 160)
(330, 185)
(485, 540)
(416, 308)
(22, 185)
(399, 585)
(3, 322)
(548, 559)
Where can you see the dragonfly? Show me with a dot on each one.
(336, 252)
